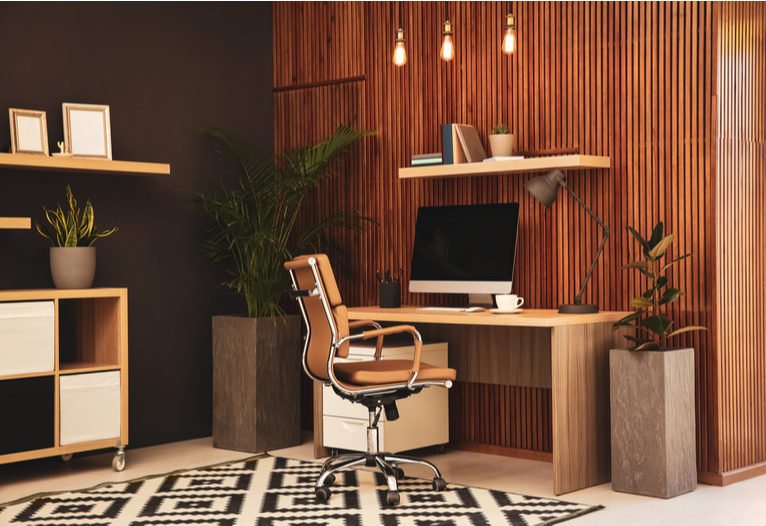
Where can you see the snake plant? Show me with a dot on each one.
(74, 228)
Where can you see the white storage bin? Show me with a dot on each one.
(26, 337)
(90, 407)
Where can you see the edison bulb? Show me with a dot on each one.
(400, 55)
(509, 41)
(447, 51)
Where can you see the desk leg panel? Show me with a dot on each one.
(581, 426)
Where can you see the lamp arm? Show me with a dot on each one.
(605, 229)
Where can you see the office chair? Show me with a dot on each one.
(376, 384)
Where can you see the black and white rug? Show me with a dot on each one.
(272, 491)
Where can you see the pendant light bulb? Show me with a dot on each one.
(447, 52)
(509, 36)
(400, 55)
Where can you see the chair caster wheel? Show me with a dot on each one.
(392, 498)
(399, 473)
(322, 494)
(439, 484)
(329, 480)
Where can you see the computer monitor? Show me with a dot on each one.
(465, 249)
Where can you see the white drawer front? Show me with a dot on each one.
(26, 337)
(90, 407)
(349, 433)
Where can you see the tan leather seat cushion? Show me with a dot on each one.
(384, 372)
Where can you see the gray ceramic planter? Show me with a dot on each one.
(653, 426)
(73, 267)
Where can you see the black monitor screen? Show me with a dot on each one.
(465, 243)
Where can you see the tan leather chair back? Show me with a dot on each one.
(321, 338)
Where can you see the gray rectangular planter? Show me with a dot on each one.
(653, 427)
(256, 383)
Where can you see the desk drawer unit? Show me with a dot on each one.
(423, 418)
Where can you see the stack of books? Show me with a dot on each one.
(426, 159)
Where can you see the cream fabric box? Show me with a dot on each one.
(90, 407)
(26, 337)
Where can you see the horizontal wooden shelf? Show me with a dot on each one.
(22, 161)
(86, 367)
(15, 222)
(533, 164)
(61, 294)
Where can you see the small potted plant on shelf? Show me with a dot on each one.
(501, 141)
(72, 256)
(652, 386)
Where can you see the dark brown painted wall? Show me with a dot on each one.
(165, 70)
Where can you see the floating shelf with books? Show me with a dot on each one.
(528, 165)
(19, 161)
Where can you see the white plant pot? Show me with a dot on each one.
(501, 145)
(73, 267)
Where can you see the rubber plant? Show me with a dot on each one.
(652, 325)
(254, 220)
(75, 228)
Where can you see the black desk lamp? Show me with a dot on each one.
(545, 188)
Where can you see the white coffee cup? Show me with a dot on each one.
(508, 301)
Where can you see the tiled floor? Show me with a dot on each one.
(738, 504)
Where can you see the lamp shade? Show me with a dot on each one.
(545, 187)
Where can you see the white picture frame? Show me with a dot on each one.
(29, 131)
(87, 130)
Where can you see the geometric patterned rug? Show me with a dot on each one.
(273, 491)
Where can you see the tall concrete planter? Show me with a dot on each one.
(256, 383)
(653, 427)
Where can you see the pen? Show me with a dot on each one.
(377, 273)
(388, 275)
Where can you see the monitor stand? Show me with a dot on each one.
(480, 300)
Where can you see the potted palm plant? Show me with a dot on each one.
(501, 141)
(652, 386)
(256, 359)
(72, 256)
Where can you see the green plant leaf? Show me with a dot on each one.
(686, 329)
(640, 240)
(670, 296)
(636, 264)
(641, 303)
(659, 250)
(72, 228)
(625, 322)
(674, 262)
(637, 341)
(658, 324)
(648, 346)
(657, 235)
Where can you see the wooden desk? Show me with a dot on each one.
(566, 353)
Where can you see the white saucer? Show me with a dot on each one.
(502, 311)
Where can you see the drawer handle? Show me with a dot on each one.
(350, 425)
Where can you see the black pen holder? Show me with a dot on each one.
(390, 295)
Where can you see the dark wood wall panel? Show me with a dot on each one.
(741, 192)
(632, 81)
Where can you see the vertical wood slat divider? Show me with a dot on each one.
(649, 85)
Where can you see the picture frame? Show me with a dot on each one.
(29, 131)
(87, 130)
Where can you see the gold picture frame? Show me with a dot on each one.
(29, 131)
(87, 130)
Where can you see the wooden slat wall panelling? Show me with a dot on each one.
(740, 192)
(632, 81)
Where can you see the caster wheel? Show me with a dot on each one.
(392, 498)
(439, 484)
(329, 480)
(322, 494)
(67, 457)
(399, 473)
(118, 462)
